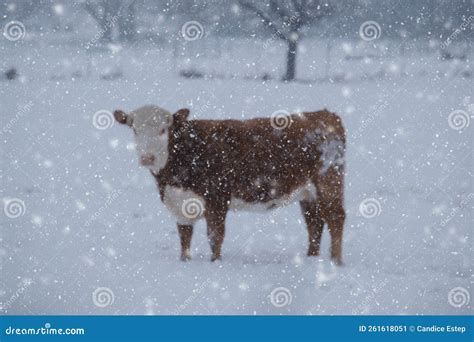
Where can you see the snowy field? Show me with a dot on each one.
(91, 218)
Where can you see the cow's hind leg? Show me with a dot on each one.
(216, 230)
(185, 234)
(315, 225)
(335, 217)
(330, 193)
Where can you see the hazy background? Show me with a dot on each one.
(83, 230)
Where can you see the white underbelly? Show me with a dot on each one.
(185, 205)
(306, 192)
(188, 207)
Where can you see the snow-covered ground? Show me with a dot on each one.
(91, 218)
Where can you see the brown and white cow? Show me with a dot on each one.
(204, 168)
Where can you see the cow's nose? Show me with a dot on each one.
(147, 159)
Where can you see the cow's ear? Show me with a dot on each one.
(120, 116)
(181, 115)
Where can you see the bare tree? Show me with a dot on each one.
(103, 13)
(109, 12)
(127, 23)
(286, 19)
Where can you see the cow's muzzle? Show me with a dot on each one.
(147, 159)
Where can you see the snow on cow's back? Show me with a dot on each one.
(329, 123)
(329, 126)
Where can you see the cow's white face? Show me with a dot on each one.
(150, 125)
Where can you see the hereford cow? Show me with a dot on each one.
(206, 167)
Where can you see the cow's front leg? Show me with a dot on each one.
(336, 226)
(215, 217)
(185, 234)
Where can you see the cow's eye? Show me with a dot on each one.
(162, 131)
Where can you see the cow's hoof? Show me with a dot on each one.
(337, 262)
(185, 257)
(216, 258)
(312, 252)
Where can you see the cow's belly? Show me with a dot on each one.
(306, 192)
(185, 205)
(188, 207)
